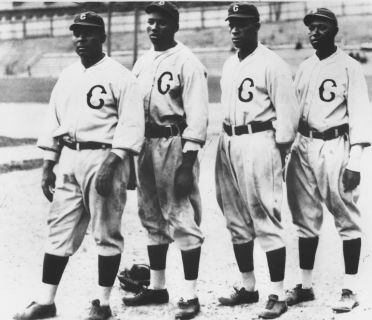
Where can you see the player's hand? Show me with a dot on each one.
(350, 180)
(48, 180)
(183, 181)
(132, 180)
(184, 177)
(105, 174)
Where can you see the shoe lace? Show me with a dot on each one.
(346, 294)
(182, 303)
(142, 292)
(95, 310)
(270, 304)
(235, 293)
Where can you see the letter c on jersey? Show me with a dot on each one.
(321, 90)
(160, 81)
(248, 97)
(89, 97)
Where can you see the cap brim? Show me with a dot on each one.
(310, 17)
(241, 16)
(85, 24)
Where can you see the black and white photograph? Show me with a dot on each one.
(186, 160)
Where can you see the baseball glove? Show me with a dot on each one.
(136, 278)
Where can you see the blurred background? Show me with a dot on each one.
(35, 40)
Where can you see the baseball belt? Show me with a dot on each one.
(329, 134)
(155, 131)
(250, 128)
(85, 145)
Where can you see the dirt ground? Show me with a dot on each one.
(23, 213)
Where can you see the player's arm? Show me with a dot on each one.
(49, 144)
(195, 102)
(48, 179)
(281, 90)
(360, 118)
(128, 136)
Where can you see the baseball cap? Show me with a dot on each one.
(165, 6)
(88, 19)
(323, 13)
(242, 10)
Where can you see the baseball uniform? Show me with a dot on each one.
(333, 94)
(174, 87)
(257, 93)
(101, 104)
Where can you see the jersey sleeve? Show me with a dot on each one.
(281, 91)
(195, 102)
(129, 132)
(46, 140)
(358, 106)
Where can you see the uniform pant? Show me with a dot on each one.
(314, 176)
(165, 217)
(249, 188)
(76, 203)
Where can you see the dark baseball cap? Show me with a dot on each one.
(165, 6)
(88, 19)
(242, 10)
(322, 13)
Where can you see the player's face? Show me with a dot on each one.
(243, 32)
(88, 41)
(161, 29)
(322, 33)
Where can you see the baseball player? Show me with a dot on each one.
(261, 117)
(325, 162)
(174, 86)
(95, 120)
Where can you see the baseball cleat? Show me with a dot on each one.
(347, 302)
(274, 308)
(298, 295)
(241, 296)
(147, 296)
(37, 311)
(187, 309)
(98, 312)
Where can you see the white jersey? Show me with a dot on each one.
(174, 87)
(260, 88)
(332, 92)
(100, 104)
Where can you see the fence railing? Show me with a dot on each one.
(190, 18)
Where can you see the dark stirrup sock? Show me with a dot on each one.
(190, 260)
(244, 256)
(108, 267)
(351, 250)
(307, 249)
(276, 262)
(158, 256)
(53, 268)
